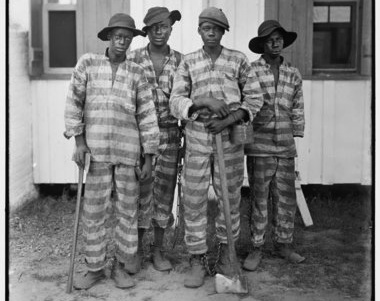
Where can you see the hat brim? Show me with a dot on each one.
(103, 34)
(174, 16)
(256, 44)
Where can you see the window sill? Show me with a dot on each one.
(336, 76)
(46, 76)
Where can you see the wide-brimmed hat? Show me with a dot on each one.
(266, 28)
(119, 21)
(158, 14)
(214, 15)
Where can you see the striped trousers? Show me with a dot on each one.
(200, 164)
(157, 193)
(100, 180)
(274, 177)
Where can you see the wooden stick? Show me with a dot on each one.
(301, 202)
(226, 202)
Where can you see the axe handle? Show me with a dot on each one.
(226, 202)
(76, 225)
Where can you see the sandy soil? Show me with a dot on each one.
(39, 254)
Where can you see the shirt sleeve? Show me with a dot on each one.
(179, 101)
(252, 97)
(298, 115)
(146, 117)
(75, 100)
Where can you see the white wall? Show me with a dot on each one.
(184, 37)
(19, 14)
(20, 121)
(336, 147)
(243, 18)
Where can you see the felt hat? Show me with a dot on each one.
(119, 21)
(158, 14)
(214, 15)
(266, 28)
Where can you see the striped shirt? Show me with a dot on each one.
(229, 79)
(162, 87)
(282, 115)
(117, 118)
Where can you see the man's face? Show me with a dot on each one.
(120, 39)
(274, 44)
(211, 34)
(159, 33)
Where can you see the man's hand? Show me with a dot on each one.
(215, 126)
(216, 106)
(146, 170)
(80, 151)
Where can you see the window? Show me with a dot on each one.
(62, 30)
(59, 36)
(335, 36)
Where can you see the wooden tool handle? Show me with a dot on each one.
(226, 202)
(75, 238)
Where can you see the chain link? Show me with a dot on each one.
(211, 270)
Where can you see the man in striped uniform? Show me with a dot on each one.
(110, 112)
(157, 193)
(270, 158)
(213, 89)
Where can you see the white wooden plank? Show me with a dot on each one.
(316, 122)
(40, 130)
(303, 144)
(349, 128)
(366, 174)
(52, 152)
(328, 126)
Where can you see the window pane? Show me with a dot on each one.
(340, 14)
(332, 47)
(320, 14)
(62, 39)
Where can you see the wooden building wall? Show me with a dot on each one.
(336, 147)
(337, 144)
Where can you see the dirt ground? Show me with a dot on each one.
(338, 248)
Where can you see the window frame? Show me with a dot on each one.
(355, 43)
(47, 7)
(296, 15)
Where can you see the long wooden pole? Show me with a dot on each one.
(76, 226)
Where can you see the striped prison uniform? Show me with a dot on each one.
(270, 158)
(229, 79)
(157, 193)
(117, 119)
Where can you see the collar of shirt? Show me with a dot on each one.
(108, 57)
(264, 62)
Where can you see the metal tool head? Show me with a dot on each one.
(238, 284)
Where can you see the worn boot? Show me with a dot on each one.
(133, 266)
(224, 266)
(253, 259)
(88, 279)
(121, 277)
(160, 263)
(286, 252)
(196, 276)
